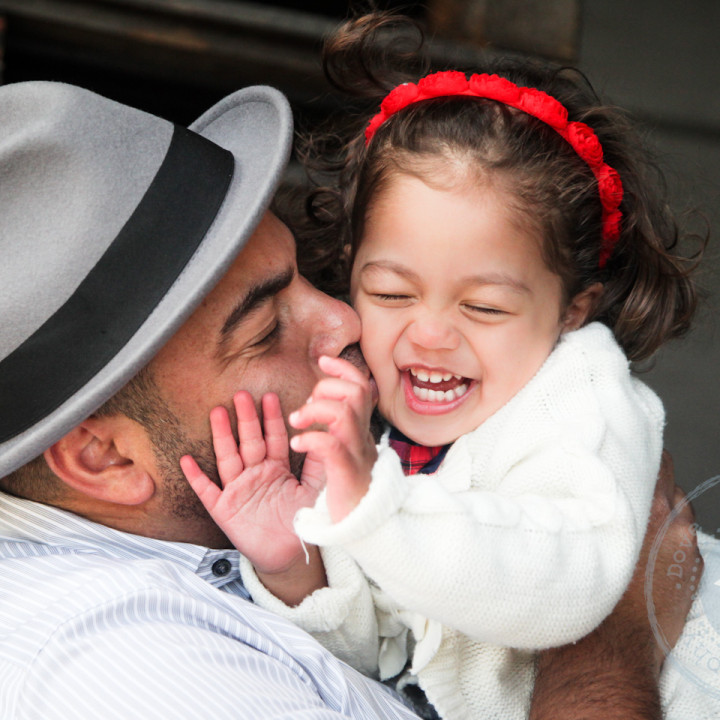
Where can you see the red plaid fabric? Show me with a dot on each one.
(416, 458)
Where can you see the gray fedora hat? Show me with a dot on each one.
(114, 224)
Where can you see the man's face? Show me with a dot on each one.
(261, 329)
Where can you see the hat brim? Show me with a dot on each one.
(255, 125)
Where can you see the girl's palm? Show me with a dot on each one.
(259, 497)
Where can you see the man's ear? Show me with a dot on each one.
(581, 307)
(102, 458)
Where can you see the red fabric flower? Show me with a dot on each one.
(611, 225)
(374, 124)
(544, 107)
(610, 187)
(399, 98)
(449, 82)
(585, 143)
(495, 88)
(610, 235)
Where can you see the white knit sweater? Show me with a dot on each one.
(690, 681)
(525, 537)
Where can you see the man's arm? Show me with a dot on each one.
(612, 674)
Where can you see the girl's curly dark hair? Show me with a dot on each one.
(649, 296)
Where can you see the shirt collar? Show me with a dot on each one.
(23, 521)
(414, 457)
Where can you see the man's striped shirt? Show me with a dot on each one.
(96, 623)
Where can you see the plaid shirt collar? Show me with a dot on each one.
(416, 458)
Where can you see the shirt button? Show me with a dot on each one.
(221, 568)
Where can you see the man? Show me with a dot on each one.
(143, 283)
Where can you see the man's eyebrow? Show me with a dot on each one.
(253, 298)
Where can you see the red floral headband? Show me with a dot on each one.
(533, 102)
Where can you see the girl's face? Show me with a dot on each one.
(458, 308)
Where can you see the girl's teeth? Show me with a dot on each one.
(434, 376)
(438, 395)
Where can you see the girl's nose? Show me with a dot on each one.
(433, 333)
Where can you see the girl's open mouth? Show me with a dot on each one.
(434, 391)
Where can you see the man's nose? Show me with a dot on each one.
(335, 326)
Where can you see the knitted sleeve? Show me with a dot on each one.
(528, 534)
(341, 617)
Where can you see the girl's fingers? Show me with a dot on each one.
(345, 381)
(339, 368)
(346, 485)
(344, 370)
(323, 412)
(313, 472)
(276, 437)
(357, 395)
(319, 444)
(229, 463)
(341, 422)
(252, 444)
(208, 492)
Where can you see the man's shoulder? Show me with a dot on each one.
(59, 602)
(58, 570)
(67, 584)
(96, 622)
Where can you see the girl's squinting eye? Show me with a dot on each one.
(485, 310)
(390, 298)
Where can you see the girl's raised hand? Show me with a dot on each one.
(343, 402)
(259, 496)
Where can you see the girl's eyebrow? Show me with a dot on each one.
(390, 265)
(490, 278)
(496, 278)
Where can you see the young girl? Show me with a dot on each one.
(508, 258)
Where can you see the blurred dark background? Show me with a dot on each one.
(658, 58)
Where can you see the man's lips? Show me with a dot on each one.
(354, 356)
